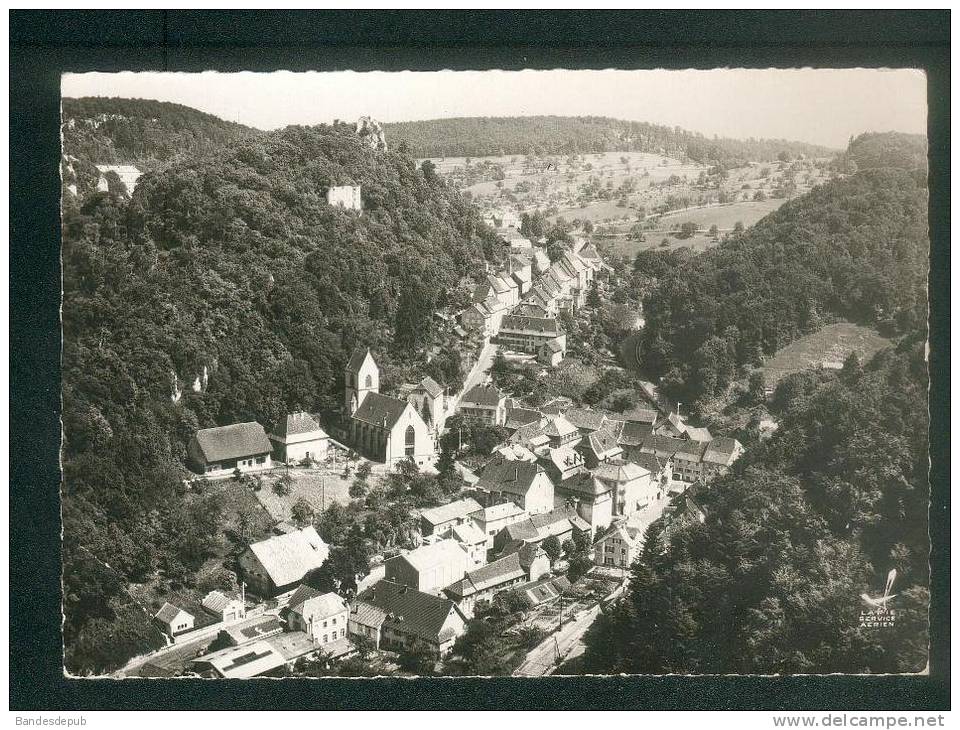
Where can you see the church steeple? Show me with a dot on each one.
(361, 376)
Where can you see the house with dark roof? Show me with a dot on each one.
(517, 417)
(524, 483)
(484, 403)
(407, 618)
(299, 437)
(173, 619)
(600, 446)
(279, 563)
(719, 456)
(586, 420)
(560, 522)
(221, 450)
(619, 546)
(641, 414)
(551, 352)
(526, 564)
(527, 334)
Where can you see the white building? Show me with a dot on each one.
(299, 437)
(345, 196)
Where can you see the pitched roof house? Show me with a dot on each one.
(561, 522)
(526, 564)
(521, 482)
(408, 618)
(279, 563)
(437, 519)
(484, 403)
(174, 619)
(619, 546)
(225, 607)
(297, 437)
(593, 499)
(322, 616)
(222, 449)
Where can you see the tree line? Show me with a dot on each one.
(550, 135)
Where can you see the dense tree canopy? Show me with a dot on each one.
(770, 581)
(227, 289)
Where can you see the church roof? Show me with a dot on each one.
(380, 410)
(357, 358)
(431, 386)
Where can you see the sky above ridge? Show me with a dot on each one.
(823, 106)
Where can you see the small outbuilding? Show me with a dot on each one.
(174, 620)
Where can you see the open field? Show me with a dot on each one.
(833, 343)
(624, 246)
(318, 487)
(724, 217)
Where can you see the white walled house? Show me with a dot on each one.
(219, 451)
(299, 437)
(228, 608)
(524, 483)
(174, 620)
(429, 568)
(323, 617)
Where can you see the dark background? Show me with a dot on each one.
(45, 43)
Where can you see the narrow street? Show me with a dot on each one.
(477, 375)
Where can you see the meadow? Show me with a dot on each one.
(832, 343)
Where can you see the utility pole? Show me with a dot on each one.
(561, 612)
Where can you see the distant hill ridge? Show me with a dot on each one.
(479, 136)
(141, 132)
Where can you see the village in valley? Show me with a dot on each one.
(529, 511)
(517, 395)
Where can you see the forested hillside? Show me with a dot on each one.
(141, 132)
(233, 265)
(855, 248)
(770, 580)
(479, 136)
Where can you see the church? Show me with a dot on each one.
(382, 428)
